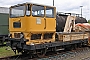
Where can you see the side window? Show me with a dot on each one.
(28, 10)
(17, 11)
(17, 24)
(37, 10)
(49, 12)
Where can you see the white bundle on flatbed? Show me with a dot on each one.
(82, 27)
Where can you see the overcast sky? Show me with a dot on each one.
(70, 6)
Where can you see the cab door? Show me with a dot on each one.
(50, 21)
(37, 18)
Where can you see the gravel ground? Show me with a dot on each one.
(78, 54)
(82, 54)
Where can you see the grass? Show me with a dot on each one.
(5, 53)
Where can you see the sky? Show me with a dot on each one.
(67, 6)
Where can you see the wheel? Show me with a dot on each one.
(41, 53)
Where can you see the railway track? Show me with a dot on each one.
(78, 54)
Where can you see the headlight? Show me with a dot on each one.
(32, 44)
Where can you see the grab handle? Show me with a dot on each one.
(45, 23)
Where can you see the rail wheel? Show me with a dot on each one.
(41, 53)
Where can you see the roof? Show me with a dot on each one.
(4, 10)
(32, 3)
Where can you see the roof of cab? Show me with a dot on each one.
(33, 4)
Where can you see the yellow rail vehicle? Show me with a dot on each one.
(36, 29)
(36, 22)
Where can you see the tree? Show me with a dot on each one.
(88, 21)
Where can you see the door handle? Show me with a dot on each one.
(45, 23)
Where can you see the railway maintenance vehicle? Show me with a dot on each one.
(37, 29)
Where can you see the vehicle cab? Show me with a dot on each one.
(34, 22)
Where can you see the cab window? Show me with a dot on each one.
(17, 11)
(49, 12)
(38, 11)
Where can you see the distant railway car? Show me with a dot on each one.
(36, 29)
(4, 17)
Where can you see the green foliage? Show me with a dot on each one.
(88, 21)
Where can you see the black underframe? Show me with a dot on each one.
(46, 45)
